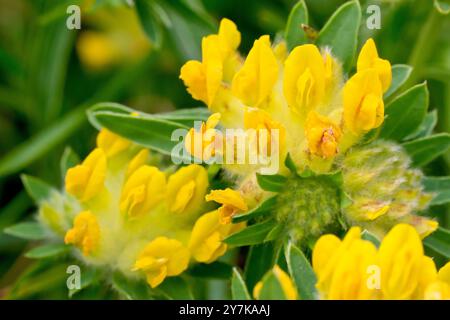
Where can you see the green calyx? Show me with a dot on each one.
(308, 206)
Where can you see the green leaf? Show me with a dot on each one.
(272, 183)
(271, 288)
(239, 290)
(440, 186)
(88, 277)
(37, 189)
(424, 150)
(294, 33)
(262, 209)
(186, 116)
(400, 73)
(152, 132)
(289, 163)
(426, 127)
(275, 233)
(254, 234)
(260, 259)
(41, 143)
(367, 235)
(340, 33)
(301, 272)
(46, 251)
(215, 270)
(405, 113)
(68, 160)
(131, 289)
(175, 288)
(442, 7)
(26, 230)
(439, 241)
(149, 21)
(107, 107)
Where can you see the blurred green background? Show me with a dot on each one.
(49, 75)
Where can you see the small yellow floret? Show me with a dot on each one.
(322, 135)
(85, 233)
(231, 201)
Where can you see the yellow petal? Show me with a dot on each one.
(186, 189)
(142, 191)
(304, 78)
(363, 102)
(254, 82)
(400, 258)
(138, 160)
(111, 143)
(368, 58)
(193, 75)
(286, 283)
(86, 180)
(229, 37)
(444, 273)
(162, 257)
(322, 135)
(85, 233)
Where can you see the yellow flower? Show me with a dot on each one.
(363, 102)
(304, 78)
(85, 180)
(203, 79)
(142, 191)
(322, 135)
(254, 82)
(206, 243)
(231, 201)
(400, 258)
(186, 189)
(161, 258)
(342, 266)
(85, 233)
(138, 160)
(368, 58)
(111, 143)
(440, 288)
(261, 120)
(285, 282)
(202, 143)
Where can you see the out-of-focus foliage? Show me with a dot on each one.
(49, 75)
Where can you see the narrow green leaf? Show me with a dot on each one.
(272, 183)
(367, 235)
(88, 277)
(271, 288)
(294, 33)
(260, 259)
(439, 241)
(289, 163)
(107, 107)
(405, 113)
(26, 230)
(340, 33)
(262, 209)
(275, 233)
(400, 73)
(46, 251)
(254, 234)
(37, 189)
(239, 290)
(440, 186)
(68, 160)
(152, 132)
(215, 270)
(424, 150)
(130, 289)
(426, 127)
(185, 117)
(149, 21)
(301, 272)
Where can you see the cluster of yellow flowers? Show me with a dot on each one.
(319, 116)
(355, 269)
(131, 216)
(301, 93)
